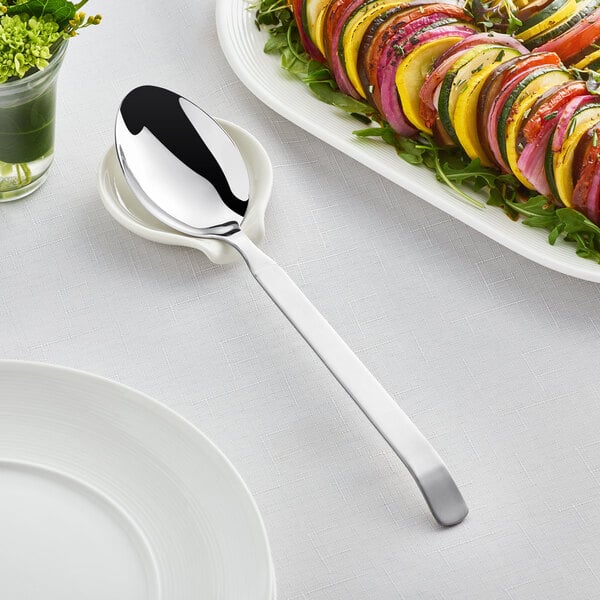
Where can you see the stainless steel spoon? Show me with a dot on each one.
(189, 174)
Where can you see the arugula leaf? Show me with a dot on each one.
(567, 223)
(324, 92)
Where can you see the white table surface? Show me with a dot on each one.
(494, 357)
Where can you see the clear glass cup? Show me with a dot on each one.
(27, 114)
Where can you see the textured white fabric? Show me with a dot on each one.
(495, 358)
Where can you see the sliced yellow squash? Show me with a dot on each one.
(520, 109)
(412, 72)
(562, 161)
(314, 12)
(353, 33)
(471, 63)
(584, 62)
(465, 116)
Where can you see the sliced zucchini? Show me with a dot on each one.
(538, 14)
(455, 81)
(555, 13)
(587, 60)
(584, 8)
(465, 117)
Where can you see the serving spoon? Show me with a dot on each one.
(188, 173)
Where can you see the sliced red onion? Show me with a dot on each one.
(490, 37)
(532, 158)
(337, 68)
(592, 204)
(497, 106)
(390, 101)
(566, 115)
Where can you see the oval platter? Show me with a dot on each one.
(243, 43)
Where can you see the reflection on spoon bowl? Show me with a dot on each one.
(127, 210)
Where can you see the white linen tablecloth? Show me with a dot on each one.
(494, 357)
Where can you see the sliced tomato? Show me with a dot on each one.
(496, 91)
(570, 43)
(586, 193)
(580, 155)
(547, 106)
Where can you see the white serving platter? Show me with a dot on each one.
(243, 43)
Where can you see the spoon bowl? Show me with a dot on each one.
(125, 207)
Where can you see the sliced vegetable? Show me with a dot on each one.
(555, 13)
(400, 45)
(521, 99)
(465, 117)
(496, 92)
(442, 65)
(456, 79)
(311, 49)
(412, 73)
(313, 12)
(547, 106)
(333, 22)
(584, 8)
(586, 193)
(352, 34)
(573, 40)
(371, 46)
(562, 163)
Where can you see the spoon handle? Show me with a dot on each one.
(418, 455)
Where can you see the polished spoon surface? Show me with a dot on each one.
(188, 173)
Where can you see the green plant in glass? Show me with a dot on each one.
(33, 39)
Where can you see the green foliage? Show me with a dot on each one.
(567, 223)
(61, 11)
(498, 15)
(30, 31)
(25, 44)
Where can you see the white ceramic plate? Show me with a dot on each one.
(243, 46)
(122, 204)
(106, 494)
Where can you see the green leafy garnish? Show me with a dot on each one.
(499, 15)
(567, 223)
